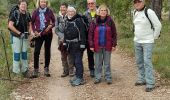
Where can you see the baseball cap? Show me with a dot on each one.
(135, 1)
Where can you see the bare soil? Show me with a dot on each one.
(56, 88)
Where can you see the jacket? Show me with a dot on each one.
(111, 35)
(35, 21)
(143, 31)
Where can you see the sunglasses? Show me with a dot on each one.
(92, 3)
(136, 1)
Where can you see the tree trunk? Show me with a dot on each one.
(156, 5)
(169, 10)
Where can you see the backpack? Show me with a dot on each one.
(71, 30)
(12, 11)
(146, 14)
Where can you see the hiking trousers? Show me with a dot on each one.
(20, 59)
(47, 39)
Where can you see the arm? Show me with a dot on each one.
(13, 29)
(57, 31)
(156, 23)
(114, 34)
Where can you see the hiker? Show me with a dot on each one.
(43, 20)
(74, 43)
(102, 39)
(67, 62)
(144, 36)
(90, 14)
(19, 26)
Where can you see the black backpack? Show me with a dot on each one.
(14, 8)
(71, 30)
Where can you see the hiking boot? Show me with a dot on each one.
(26, 74)
(73, 79)
(109, 82)
(71, 73)
(35, 73)
(97, 81)
(77, 82)
(46, 72)
(64, 74)
(149, 89)
(91, 73)
(140, 83)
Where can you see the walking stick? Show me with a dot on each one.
(6, 59)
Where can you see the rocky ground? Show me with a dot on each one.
(57, 88)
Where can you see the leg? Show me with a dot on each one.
(140, 62)
(107, 69)
(64, 64)
(149, 74)
(98, 64)
(24, 67)
(16, 54)
(70, 65)
(38, 44)
(47, 46)
(90, 56)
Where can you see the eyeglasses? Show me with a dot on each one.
(136, 1)
(91, 3)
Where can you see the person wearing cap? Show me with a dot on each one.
(90, 13)
(67, 63)
(74, 43)
(144, 37)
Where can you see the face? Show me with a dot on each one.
(70, 13)
(63, 9)
(91, 4)
(138, 4)
(43, 3)
(103, 12)
(23, 6)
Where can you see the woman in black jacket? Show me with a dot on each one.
(74, 42)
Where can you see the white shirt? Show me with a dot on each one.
(143, 32)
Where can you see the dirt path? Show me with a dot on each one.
(57, 88)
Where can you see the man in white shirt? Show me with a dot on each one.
(144, 42)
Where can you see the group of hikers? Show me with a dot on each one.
(94, 31)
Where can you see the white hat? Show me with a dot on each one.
(70, 8)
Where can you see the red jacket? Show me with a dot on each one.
(111, 35)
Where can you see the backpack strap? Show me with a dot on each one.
(146, 14)
(16, 16)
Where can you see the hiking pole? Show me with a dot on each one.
(6, 58)
(3, 40)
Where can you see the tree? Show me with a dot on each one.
(156, 5)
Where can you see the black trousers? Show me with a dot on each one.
(90, 55)
(47, 46)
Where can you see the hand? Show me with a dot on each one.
(37, 34)
(92, 49)
(82, 47)
(22, 35)
(113, 48)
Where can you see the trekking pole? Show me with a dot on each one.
(6, 58)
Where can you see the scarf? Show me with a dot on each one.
(42, 18)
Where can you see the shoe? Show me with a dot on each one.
(97, 81)
(92, 73)
(73, 79)
(149, 89)
(109, 82)
(26, 74)
(77, 82)
(140, 84)
(34, 74)
(46, 72)
(71, 73)
(64, 74)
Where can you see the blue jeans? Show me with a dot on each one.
(102, 60)
(143, 54)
